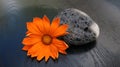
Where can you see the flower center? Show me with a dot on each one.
(47, 39)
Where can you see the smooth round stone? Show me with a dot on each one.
(82, 29)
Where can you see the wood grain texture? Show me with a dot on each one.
(104, 52)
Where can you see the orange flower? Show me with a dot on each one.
(41, 38)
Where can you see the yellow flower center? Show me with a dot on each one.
(47, 39)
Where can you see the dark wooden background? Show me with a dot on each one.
(105, 52)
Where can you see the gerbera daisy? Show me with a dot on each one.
(41, 38)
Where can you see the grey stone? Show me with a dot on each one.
(82, 29)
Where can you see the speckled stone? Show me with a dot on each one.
(82, 29)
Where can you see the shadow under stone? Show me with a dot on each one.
(76, 49)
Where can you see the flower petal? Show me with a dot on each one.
(26, 48)
(28, 54)
(62, 51)
(28, 33)
(31, 40)
(38, 51)
(45, 18)
(46, 23)
(37, 20)
(54, 25)
(35, 47)
(61, 45)
(32, 28)
(54, 51)
(61, 30)
(52, 54)
(47, 53)
(40, 56)
(41, 53)
(39, 23)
